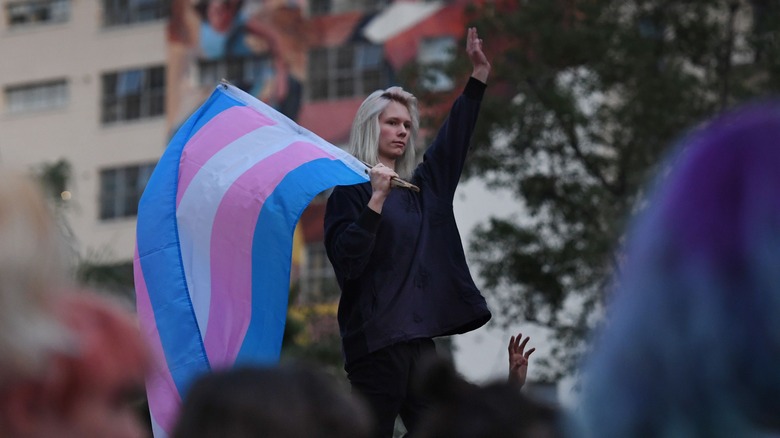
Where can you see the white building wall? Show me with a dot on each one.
(80, 51)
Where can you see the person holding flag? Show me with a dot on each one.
(397, 254)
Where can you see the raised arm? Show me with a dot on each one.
(445, 158)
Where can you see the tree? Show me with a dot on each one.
(586, 97)
(89, 270)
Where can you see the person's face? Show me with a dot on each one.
(395, 126)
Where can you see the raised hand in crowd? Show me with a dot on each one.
(518, 358)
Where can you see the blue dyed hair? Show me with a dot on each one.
(691, 346)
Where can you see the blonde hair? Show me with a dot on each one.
(364, 136)
(31, 268)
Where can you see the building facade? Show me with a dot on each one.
(103, 84)
(84, 81)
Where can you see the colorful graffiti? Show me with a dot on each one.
(256, 45)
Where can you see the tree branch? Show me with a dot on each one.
(571, 134)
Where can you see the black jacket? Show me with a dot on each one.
(403, 274)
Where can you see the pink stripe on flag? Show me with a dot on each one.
(225, 128)
(164, 398)
(231, 248)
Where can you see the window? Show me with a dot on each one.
(374, 4)
(133, 94)
(36, 97)
(242, 71)
(317, 280)
(27, 12)
(433, 56)
(324, 7)
(121, 189)
(346, 71)
(320, 7)
(121, 12)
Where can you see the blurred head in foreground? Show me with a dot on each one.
(691, 346)
(91, 383)
(288, 401)
(31, 264)
(71, 362)
(494, 410)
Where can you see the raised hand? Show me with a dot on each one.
(518, 359)
(480, 63)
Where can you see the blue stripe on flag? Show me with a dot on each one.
(160, 254)
(272, 253)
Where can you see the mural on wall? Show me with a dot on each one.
(258, 45)
(265, 47)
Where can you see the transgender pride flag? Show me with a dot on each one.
(214, 239)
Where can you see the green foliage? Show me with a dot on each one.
(54, 178)
(92, 270)
(311, 331)
(585, 99)
(311, 335)
(112, 278)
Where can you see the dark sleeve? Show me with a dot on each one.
(350, 231)
(444, 160)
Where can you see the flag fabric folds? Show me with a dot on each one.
(214, 239)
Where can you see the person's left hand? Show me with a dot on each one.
(518, 360)
(478, 59)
